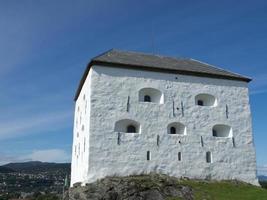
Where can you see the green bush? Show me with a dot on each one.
(263, 184)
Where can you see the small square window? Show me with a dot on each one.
(147, 98)
(200, 103)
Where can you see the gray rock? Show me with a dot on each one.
(142, 187)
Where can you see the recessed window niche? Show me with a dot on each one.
(221, 130)
(205, 100)
(127, 126)
(176, 128)
(151, 95)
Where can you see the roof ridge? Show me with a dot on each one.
(144, 53)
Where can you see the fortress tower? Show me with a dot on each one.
(137, 113)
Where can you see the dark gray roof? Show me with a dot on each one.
(134, 60)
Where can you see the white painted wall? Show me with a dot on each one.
(109, 91)
(80, 147)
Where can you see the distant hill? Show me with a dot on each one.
(37, 167)
(262, 178)
(6, 170)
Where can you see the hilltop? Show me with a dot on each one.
(37, 167)
(162, 187)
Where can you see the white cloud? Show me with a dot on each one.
(258, 91)
(49, 155)
(262, 170)
(4, 159)
(45, 155)
(259, 84)
(21, 126)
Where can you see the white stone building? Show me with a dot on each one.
(137, 113)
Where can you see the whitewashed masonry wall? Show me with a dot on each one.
(113, 94)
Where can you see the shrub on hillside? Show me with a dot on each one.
(263, 184)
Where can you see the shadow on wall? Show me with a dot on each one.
(123, 73)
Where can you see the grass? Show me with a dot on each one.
(178, 189)
(225, 190)
(210, 190)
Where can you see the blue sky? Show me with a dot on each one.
(45, 46)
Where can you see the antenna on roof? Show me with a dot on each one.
(153, 40)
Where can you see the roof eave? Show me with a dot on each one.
(129, 66)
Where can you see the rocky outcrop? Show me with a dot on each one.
(142, 187)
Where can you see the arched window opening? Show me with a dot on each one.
(205, 100)
(221, 130)
(131, 129)
(127, 126)
(151, 95)
(176, 128)
(147, 98)
(173, 130)
(208, 157)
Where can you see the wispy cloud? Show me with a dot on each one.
(258, 91)
(4, 159)
(34, 123)
(259, 84)
(49, 155)
(44, 155)
(262, 170)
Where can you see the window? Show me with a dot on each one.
(205, 100)
(131, 129)
(222, 130)
(148, 155)
(147, 98)
(127, 126)
(214, 133)
(176, 128)
(151, 95)
(200, 103)
(179, 156)
(173, 130)
(208, 157)
(82, 127)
